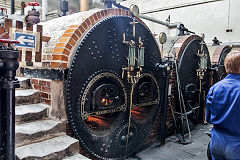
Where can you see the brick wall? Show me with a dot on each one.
(3, 33)
(44, 86)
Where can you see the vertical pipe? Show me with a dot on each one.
(83, 5)
(166, 69)
(2, 119)
(23, 5)
(7, 99)
(165, 105)
(44, 9)
(10, 122)
(64, 7)
(12, 6)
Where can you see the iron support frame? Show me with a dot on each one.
(8, 66)
(166, 69)
(12, 6)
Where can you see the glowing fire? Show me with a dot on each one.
(139, 113)
(106, 102)
(100, 121)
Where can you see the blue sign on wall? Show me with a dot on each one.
(26, 40)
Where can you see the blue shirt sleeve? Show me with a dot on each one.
(209, 106)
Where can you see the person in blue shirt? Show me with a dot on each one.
(223, 111)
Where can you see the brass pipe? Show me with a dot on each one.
(83, 5)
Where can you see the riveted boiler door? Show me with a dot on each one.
(189, 63)
(98, 98)
(194, 90)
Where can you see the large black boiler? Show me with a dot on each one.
(114, 93)
(218, 54)
(189, 83)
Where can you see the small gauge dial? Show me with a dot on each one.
(162, 37)
(134, 10)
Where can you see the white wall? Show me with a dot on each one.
(210, 18)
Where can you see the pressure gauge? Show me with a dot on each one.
(134, 10)
(162, 37)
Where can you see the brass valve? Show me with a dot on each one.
(203, 59)
(135, 56)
